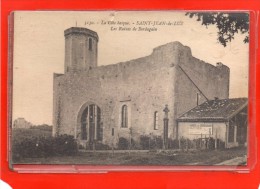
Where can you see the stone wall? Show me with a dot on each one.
(145, 85)
(197, 81)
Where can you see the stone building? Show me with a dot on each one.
(127, 99)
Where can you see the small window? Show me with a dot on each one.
(124, 117)
(90, 44)
(156, 122)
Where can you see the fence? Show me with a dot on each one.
(150, 142)
(200, 143)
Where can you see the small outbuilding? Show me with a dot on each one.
(222, 119)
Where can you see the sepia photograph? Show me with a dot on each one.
(129, 88)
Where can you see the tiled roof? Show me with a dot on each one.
(220, 109)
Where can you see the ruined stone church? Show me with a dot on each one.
(103, 103)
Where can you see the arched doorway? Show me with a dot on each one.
(91, 128)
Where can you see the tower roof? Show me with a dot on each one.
(80, 30)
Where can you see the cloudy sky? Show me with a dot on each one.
(39, 51)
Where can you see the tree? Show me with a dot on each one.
(228, 24)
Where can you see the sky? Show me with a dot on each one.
(39, 48)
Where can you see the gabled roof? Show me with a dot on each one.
(215, 110)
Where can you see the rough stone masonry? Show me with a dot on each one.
(127, 99)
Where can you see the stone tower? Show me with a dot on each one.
(81, 46)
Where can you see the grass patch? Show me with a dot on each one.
(143, 158)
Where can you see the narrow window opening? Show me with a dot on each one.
(84, 124)
(124, 117)
(90, 44)
(156, 121)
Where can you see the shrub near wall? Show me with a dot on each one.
(173, 144)
(199, 144)
(44, 147)
(123, 143)
(65, 145)
(149, 142)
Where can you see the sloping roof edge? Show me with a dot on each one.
(238, 110)
(181, 118)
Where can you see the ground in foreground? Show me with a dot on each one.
(204, 157)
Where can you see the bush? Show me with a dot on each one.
(81, 147)
(197, 143)
(208, 143)
(135, 145)
(183, 143)
(173, 144)
(100, 146)
(157, 142)
(65, 145)
(211, 143)
(123, 144)
(44, 147)
(220, 144)
(26, 148)
(145, 142)
(151, 142)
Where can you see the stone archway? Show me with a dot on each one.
(89, 120)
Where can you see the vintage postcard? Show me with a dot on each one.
(130, 88)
